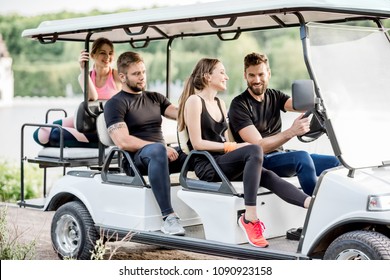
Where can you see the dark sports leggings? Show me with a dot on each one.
(245, 164)
(50, 137)
(152, 160)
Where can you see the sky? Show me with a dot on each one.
(37, 7)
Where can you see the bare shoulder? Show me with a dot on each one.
(193, 100)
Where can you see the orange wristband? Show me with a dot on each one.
(229, 146)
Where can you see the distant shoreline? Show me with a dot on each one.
(69, 100)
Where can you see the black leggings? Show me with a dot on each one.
(152, 160)
(245, 164)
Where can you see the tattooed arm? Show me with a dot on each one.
(123, 140)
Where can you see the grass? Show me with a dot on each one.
(108, 250)
(11, 245)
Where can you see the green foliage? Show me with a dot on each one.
(99, 250)
(10, 181)
(39, 70)
(104, 250)
(10, 246)
(232, 55)
(46, 80)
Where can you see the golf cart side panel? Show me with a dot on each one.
(348, 198)
(117, 205)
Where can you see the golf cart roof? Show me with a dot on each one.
(229, 16)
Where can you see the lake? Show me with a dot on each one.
(28, 110)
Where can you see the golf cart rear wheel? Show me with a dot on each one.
(359, 245)
(73, 233)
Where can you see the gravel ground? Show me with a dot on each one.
(27, 225)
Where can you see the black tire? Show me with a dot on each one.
(73, 233)
(359, 245)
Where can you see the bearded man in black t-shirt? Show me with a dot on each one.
(254, 117)
(133, 117)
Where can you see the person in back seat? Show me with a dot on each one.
(255, 118)
(133, 118)
(203, 114)
(104, 82)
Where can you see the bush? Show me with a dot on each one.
(10, 247)
(10, 181)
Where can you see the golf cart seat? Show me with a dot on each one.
(145, 212)
(63, 157)
(133, 172)
(220, 204)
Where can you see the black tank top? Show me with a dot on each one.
(211, 129)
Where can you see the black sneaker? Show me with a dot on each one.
(294, 233)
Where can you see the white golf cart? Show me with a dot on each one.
(348, 95)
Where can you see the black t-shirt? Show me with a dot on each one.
(141, 113)
(265, 116)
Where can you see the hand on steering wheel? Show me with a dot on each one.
(317, 127)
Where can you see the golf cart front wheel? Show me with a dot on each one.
(359, 245)
(73, 232)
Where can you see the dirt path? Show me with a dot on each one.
(30, 224)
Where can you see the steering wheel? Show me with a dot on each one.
(317, 127)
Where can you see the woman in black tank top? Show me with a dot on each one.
(203, 114)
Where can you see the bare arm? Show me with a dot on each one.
(117, 80)
(299, 127)
(123, 140)
(288, 106)
(228, 135)
(171, 112)
(119, 134)
(92, 93)
(250, 134)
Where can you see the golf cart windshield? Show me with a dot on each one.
(351, 66)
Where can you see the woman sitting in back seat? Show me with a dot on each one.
(103, 83)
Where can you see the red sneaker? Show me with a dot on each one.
(253, 231)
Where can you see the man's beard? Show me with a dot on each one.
(258, 91)
(133, 86)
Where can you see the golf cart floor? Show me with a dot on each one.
(277, 243)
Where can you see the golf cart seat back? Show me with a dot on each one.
(102, 131)
(86, 114)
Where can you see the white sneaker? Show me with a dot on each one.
(172, 226)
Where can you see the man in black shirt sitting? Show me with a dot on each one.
(133, 118)
(254, 117)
